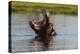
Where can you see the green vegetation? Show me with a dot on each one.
(25, 7)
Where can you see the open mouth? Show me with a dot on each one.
(35, 23)
(39, 22)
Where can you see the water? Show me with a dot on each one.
(66, 27)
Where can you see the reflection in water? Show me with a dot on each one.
(39, 44)
(23, 35)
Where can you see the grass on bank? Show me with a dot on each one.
(25, 7)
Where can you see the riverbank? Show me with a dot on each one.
(26, 7)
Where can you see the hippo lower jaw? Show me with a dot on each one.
(36, 25)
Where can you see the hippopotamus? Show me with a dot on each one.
(44, 29)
